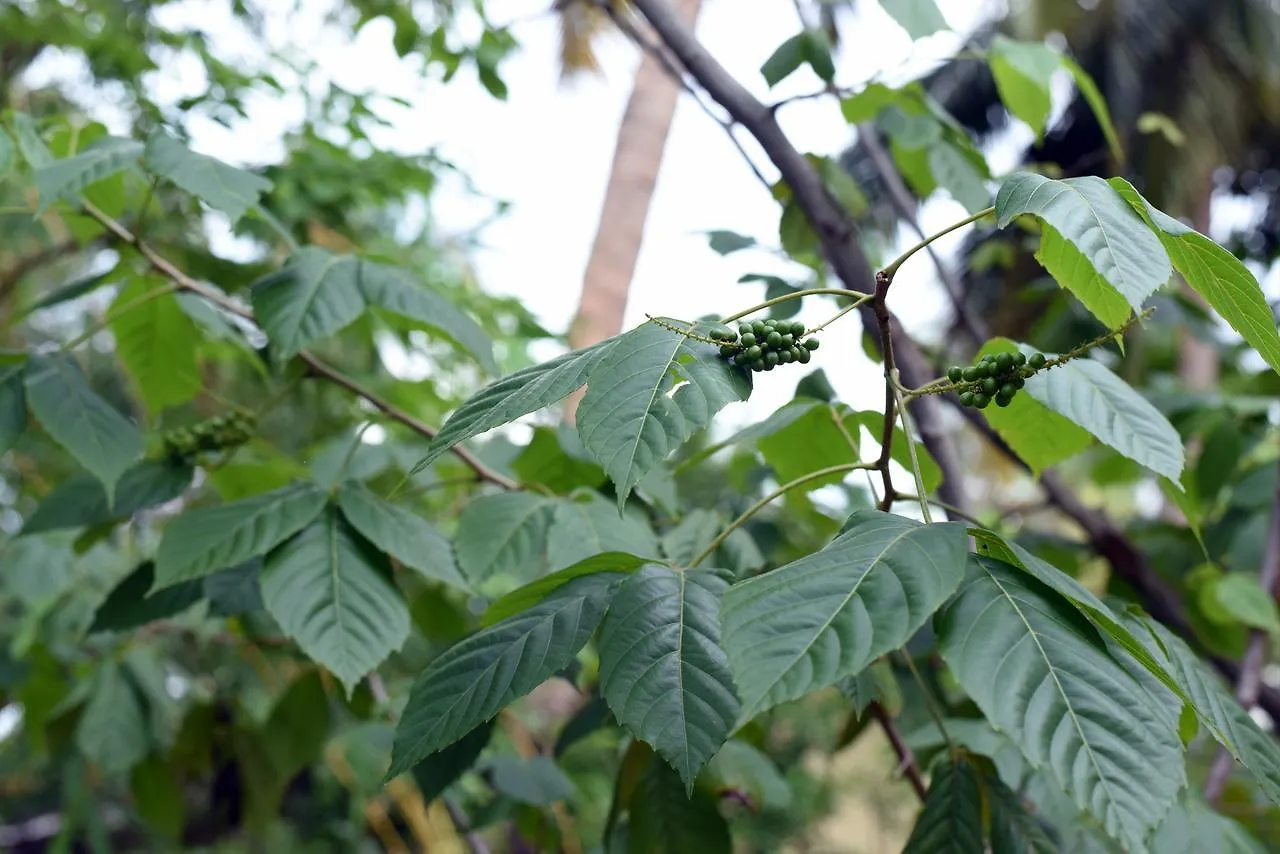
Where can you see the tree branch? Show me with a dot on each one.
(906, 759)
(315, 365)
(1249, 682)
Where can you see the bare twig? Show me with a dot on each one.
(316, 366)
(907, 759)
(1249, 682)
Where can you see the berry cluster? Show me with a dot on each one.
(762, 345)
(213, 434)
(994, 378)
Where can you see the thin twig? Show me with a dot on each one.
(924, 241)
(906, 757)
(317, 367)
(1249, 683)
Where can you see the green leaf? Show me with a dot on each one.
(784, 60)
(516, 395)
(694, 533)
(31, 145)
(1023, 72)
(1217, 275)
(1014, 830)
(556, 459)
(956, 174)
(157, 343)
(1072, 270)
(828, 615)
(157, 795)
(1038, 435)
(1041, 673)
(588, 524)
(473, 680)
(795, 232)
(824, 435)
(8, 154)
(226, 188)
(438, 771)
(1085, 392)
(1194, 828)
(536, 780)
(128, 606)
(399, 292)
(867, 103)
(80, 501)
(920, 18)
(611, 566)
(633, 416)
(930, 473)
(1219, 712)
(112, 732)
(235, 591)
(13, 404)
(743, 768)
(332, 593)
(63, 178)
(1094, 98)
(504, 534)
(665, 819)
(1094, 218)
(1241, 596)
(315, 295)
(952, 817)
(401, 534)
(207, 539)
(298, 726)
(100, 438)
(662, 670)
(728, 242)
(817, 52)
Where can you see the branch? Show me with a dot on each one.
(906, 759)
(1249, 682)
(835, 231)
(316, 366)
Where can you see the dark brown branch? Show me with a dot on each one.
(906, 759)
(315, 365)
(1249, 682)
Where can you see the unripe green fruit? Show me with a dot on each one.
(748, 339)
(1008, 390)
(1019, 382)
(993, 370)
(757, 366)
(753, 353)
(1019, 359)
(785, 357)
(1037, 361)
(1002, 400)
(804, 356)
(989, 385)
(981, 400)
(770, 322)
(758, 327)
(797, 328)
(746, 327)
(773, 339)
(723, 333)
(971, 374)
(955, 373)
(795, 352)
(811, 343)
(727, 350)
(770, 359)
(788, 340)
(1005, 361)
(769, 366)
(966, 397)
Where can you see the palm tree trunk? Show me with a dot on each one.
(637, 159)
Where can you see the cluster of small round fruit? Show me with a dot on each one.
(762, 345)
(213, 434)
(995, 377)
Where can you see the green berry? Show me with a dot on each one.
(955, 373)
(727, 350)
(966, 397)
(993, 369)
(972, 374)
(757, 366)
(987, 357)
(804, 356)
(753, 353)
(1019, 359)
(1019, 382)
(811, 343)
(771, 323)
(744, 327)
(723, 333)
(758, 327)
(981, 400)
(771, 359)
(797, 328)
(795, 352)
(1002, 400)
(1005, 361)
(788, 340)
(1008, 390)
(989, 385)
(785, 357)
(748, 339)
(1037, 361)
(773, 339)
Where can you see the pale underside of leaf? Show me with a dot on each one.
(222, 186)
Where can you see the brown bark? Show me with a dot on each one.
(637, 159)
